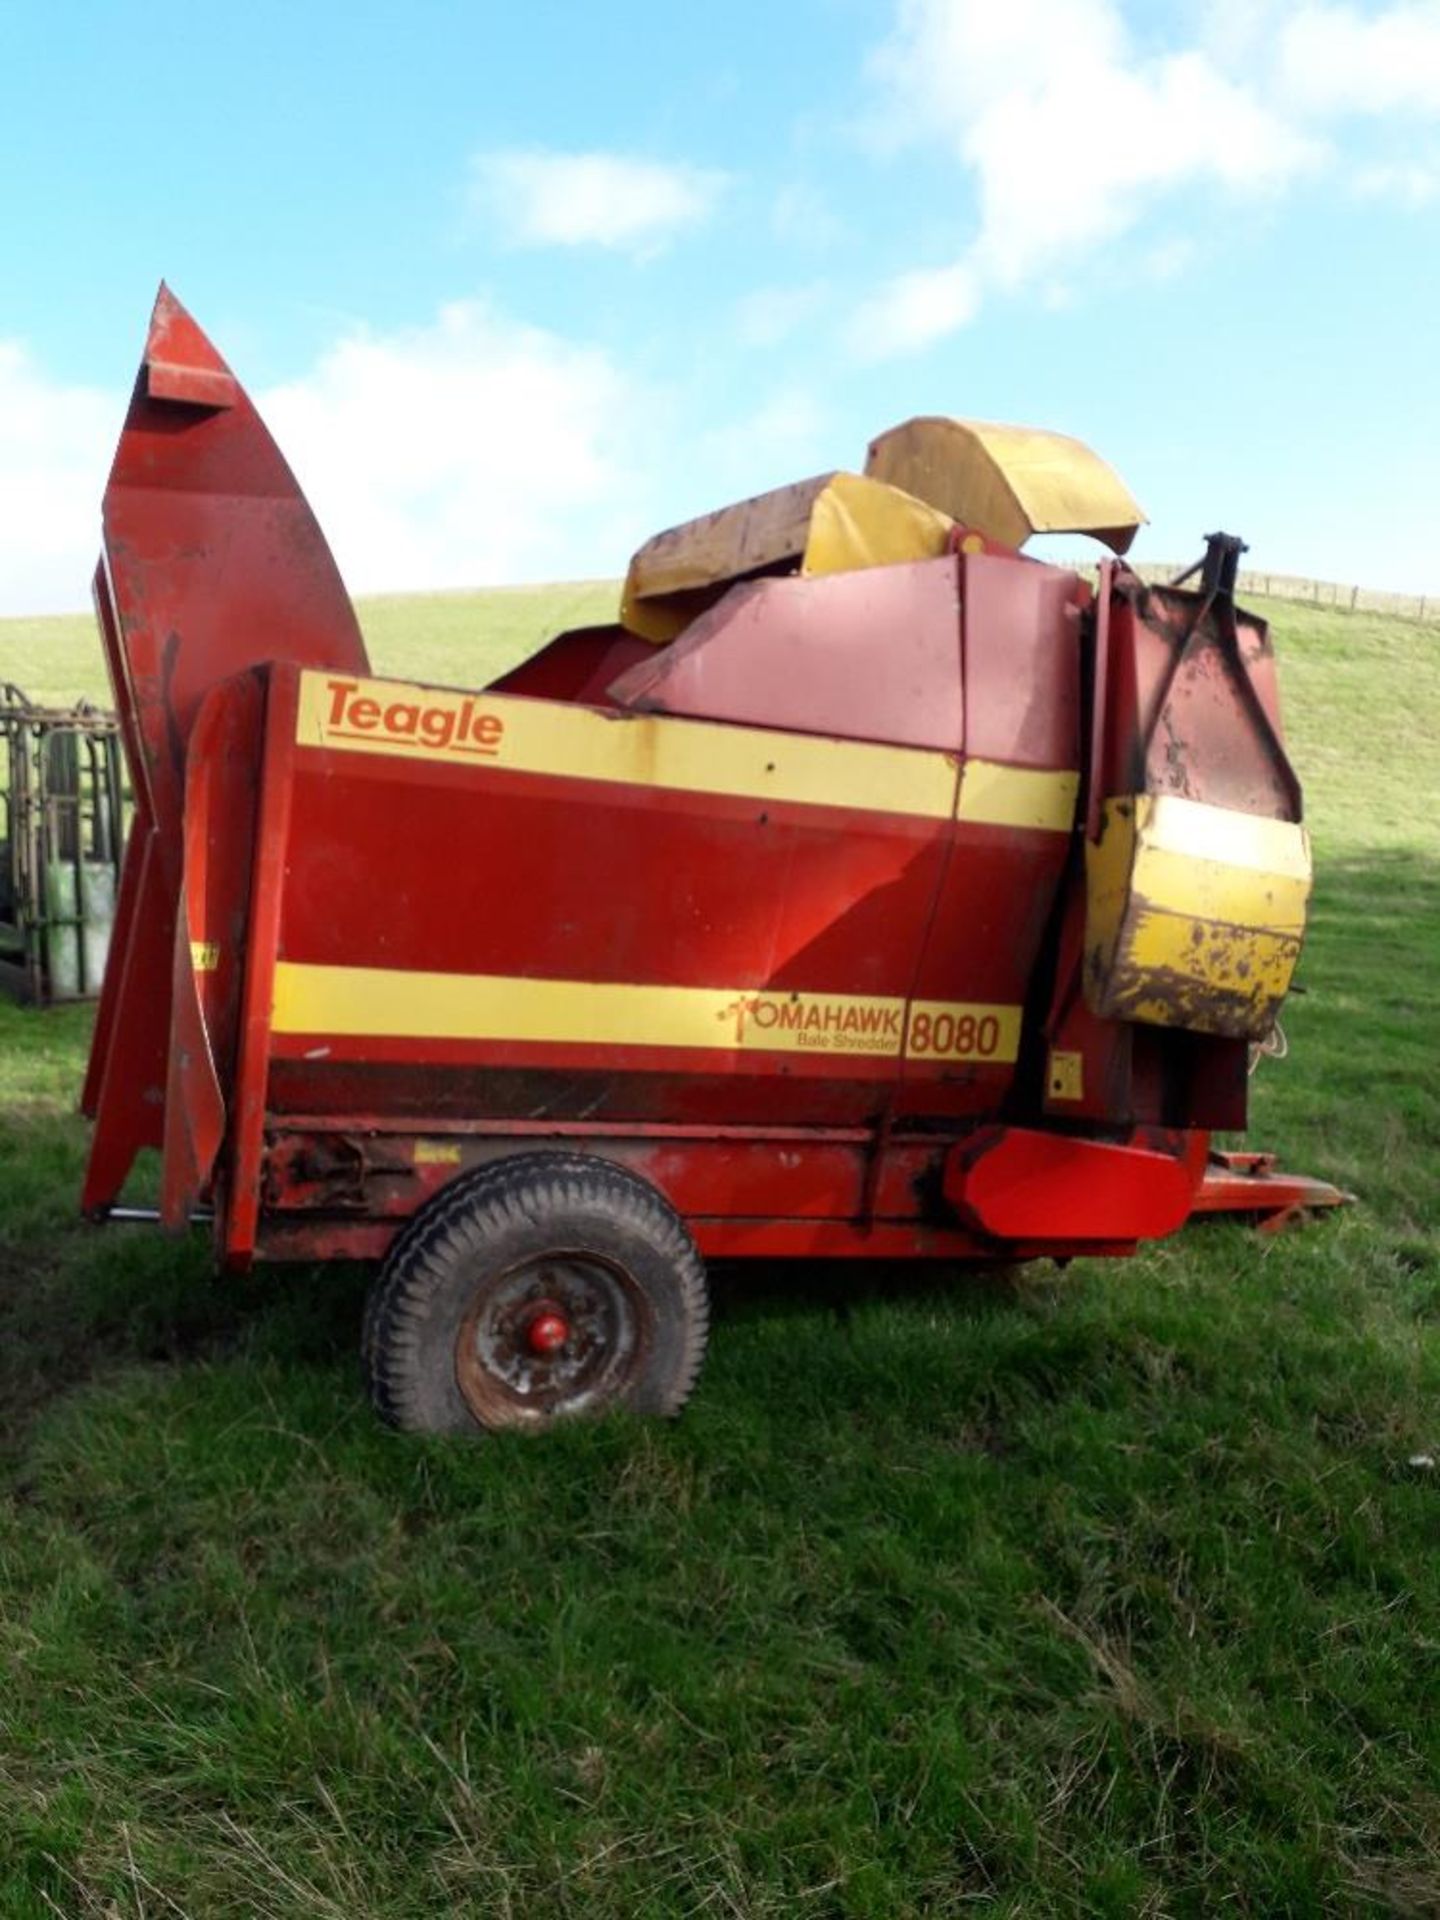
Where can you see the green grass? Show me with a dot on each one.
(446, 638)
(1103, 1592)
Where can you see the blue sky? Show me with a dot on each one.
(518, 285)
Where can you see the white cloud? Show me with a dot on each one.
(784, 437)
(1238, 35)
(1336, 59)
(56, 443)
(949, 61)
(469, 451)
(914, 310)
(1408, 185)
(1078, 158)
(801, 216)
(1168, 259)
(1071, 134)
(547, 199)
(473, 450)
(771, 315)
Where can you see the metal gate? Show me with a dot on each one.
(61, 840)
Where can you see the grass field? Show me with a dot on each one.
(1113, 1591)
(460, 639)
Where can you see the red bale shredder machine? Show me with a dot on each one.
(868, 890)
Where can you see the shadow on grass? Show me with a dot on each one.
(108, 1299)
(120, 1297)
(743, 1290)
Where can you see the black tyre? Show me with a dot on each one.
(534, 1289)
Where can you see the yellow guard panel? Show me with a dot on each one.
(865, 523)
(1194, 915)
(833, 523)
(1007, 482)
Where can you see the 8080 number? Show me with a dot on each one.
(952, 1036)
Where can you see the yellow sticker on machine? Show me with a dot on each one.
(436, 1153)
(1066, 1075)
(357, 1002)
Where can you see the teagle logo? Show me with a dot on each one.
(452, 725)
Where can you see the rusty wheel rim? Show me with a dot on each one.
(551, 1338)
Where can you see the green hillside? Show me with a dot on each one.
(1347, 678)
(450, 638)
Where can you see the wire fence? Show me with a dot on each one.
(1321, 593)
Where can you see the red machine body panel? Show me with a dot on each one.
(198, 495)
(635, 937)
(874, 655)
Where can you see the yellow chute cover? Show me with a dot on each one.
(1007, 482)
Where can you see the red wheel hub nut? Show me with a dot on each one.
(547, 1332)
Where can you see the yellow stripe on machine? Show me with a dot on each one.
(429, 724)
(371, 1002)
(992, 795)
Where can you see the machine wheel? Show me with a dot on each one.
(534, 1289)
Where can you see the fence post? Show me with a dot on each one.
(1354, 596)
